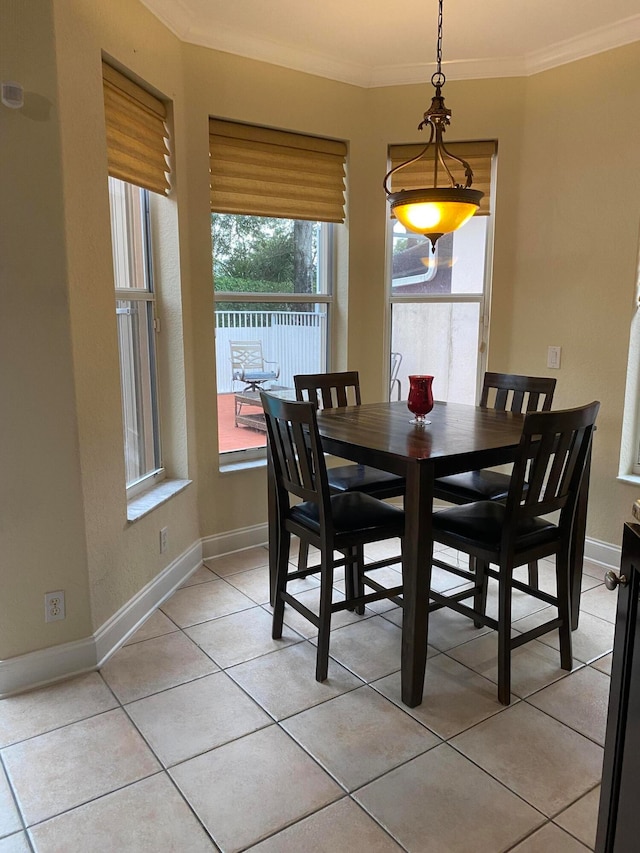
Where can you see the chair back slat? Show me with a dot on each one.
(515, 393)
(329, 390)
(549, 465)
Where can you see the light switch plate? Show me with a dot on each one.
(553, 357)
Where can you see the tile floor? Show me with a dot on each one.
(203, 733)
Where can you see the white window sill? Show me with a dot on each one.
(157, 495)
(632, 479)
(242, 465)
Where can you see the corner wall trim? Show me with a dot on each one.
(117, 630)
(46, 666)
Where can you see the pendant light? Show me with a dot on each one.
(436, 210)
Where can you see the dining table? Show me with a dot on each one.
(458, 438)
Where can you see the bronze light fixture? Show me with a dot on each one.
(436, 210)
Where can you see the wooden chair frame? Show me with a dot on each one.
(546, 478)
(299, 470)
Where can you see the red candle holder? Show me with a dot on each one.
(420, 400)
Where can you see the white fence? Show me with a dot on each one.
(296, 340)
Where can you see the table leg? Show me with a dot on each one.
(576, 554)
(416, 574)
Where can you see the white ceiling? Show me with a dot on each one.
(380, 43)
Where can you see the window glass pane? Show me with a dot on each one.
(262, 344)
(132, 271)
(265, 255)
(136, 372)
(262, 348)
(440, 338)
(128, 234)
(456, 267)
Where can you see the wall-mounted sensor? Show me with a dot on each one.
(12, 95)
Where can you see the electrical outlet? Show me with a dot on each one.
(164, 539)
(54, 606)
(553, 357)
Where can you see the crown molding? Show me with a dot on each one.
(605, 38)
(177, 17)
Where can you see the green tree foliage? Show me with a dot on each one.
(253, 254)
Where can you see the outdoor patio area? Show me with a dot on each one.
(230, 436)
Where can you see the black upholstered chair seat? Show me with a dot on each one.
(362, 478)
(472, 486)
(353, 512)
(483, 524)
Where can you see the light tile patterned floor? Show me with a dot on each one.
(203, 733)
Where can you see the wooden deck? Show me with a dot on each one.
(232, 437)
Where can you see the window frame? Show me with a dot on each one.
(146, 296)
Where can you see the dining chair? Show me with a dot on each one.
(503, 392)
(546, 476)
(341, 523)
(333, 390)
(330, 391)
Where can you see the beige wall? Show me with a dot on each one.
(577, 239)
(566, 230)
(42, 527)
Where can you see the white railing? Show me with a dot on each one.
(296, 340)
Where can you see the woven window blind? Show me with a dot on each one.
(137, 133)
(262, 172)
(479, 156)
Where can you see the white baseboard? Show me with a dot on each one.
(36, 669)
(602, 552)
(117, 630)
(234, 540)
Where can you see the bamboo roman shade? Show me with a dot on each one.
(136, 133)
(261, 172)
(420, 174)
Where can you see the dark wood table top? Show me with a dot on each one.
(459, 438)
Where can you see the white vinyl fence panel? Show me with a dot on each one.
(296, 340)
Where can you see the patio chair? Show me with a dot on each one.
(394, 381)
(546, 478)
(342, 523)
(248, 365)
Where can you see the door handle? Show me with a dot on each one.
(612, 580)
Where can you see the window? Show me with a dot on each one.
(273, 285)
(629, 468)
(135, 310)
(137, 151)
(276, 198)
(439, 300)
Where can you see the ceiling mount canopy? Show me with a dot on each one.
(436, 210)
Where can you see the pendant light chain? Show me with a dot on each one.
(438, 79)
(435, 210)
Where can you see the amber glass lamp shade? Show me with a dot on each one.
(436, 211)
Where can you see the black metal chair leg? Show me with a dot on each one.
(533, 574)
